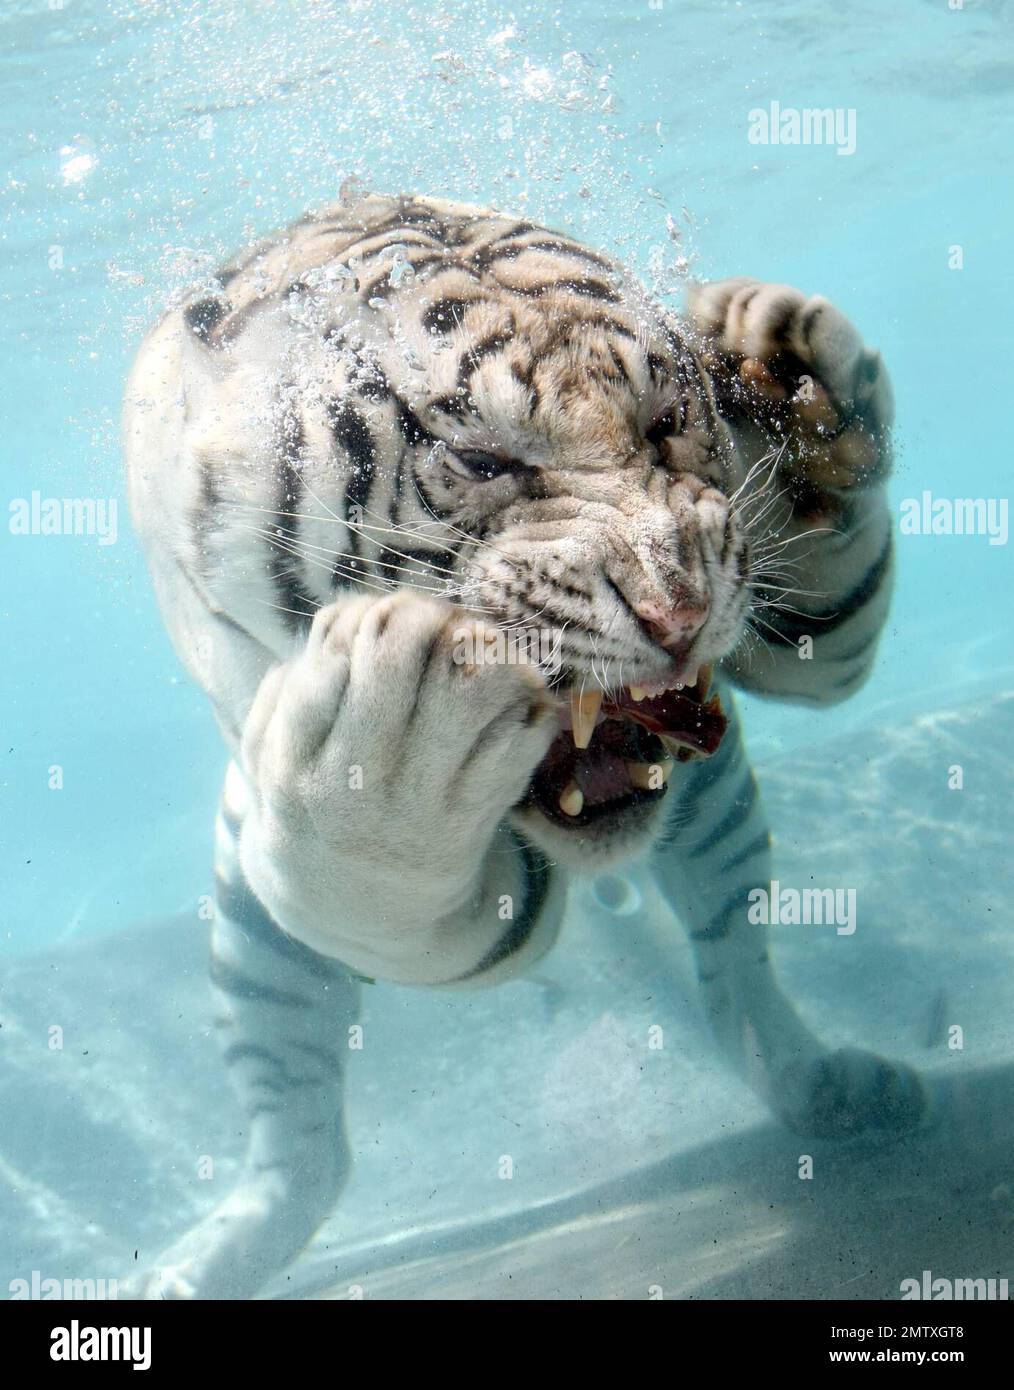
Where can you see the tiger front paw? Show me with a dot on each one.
(796, 369)
(384, 757)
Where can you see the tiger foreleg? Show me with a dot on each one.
(286, 1020)
(811, 409)
(719, 850)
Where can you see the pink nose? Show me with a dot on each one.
(673, 627)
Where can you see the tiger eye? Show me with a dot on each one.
(486, 466)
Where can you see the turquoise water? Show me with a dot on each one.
(143, 141)
(148, 140)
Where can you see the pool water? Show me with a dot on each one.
(143, 143)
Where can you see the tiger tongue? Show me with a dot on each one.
(602, 778)
(675, 713)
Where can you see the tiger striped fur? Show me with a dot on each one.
(405, 418)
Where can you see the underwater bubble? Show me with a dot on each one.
(617, 894)
(77, 160)
(537, 83)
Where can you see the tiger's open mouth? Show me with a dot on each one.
(617, 750)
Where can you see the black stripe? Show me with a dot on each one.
(406, 555)
(451, 405)
(619, 364)
(251, 1052)
(606, 323)
(351, 433)
(232, 981)
(206, 517)
(394, 505)
(407, 215)
(374, 244)
(411, 428)
(708, 774)
(525, 376)
(742, 804)
(368, 378)
(792, 626)
(537, 871)
(445, 315)
(328, 1060)
(293, 595)
(782, 316)
(428, 502)
(760, 845)
(565, 247)
(474, 356)
(236, 902)
(862, 648)
(511, 250)
(586, 287)
(383, 285)
(720, 923)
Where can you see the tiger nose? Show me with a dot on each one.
(673, 628)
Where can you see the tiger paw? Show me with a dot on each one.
(796, 369)
(852, 1092)
(383, 758)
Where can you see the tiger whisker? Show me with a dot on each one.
(399, 553)
(752, 473)
(380, 583)
(401, 528)
(347, 555)
(780, 635)
(457, 530)
(281, 608)
(309, 559)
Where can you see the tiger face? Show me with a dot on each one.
(592, 483)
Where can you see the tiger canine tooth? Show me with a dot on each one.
(678, 748)
(638, 692)
(584, 709)
(704, 682)
(650, 776)
(571, 800)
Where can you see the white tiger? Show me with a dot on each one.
(399, 429)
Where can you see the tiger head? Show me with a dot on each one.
(586, 463)
(551, 453)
